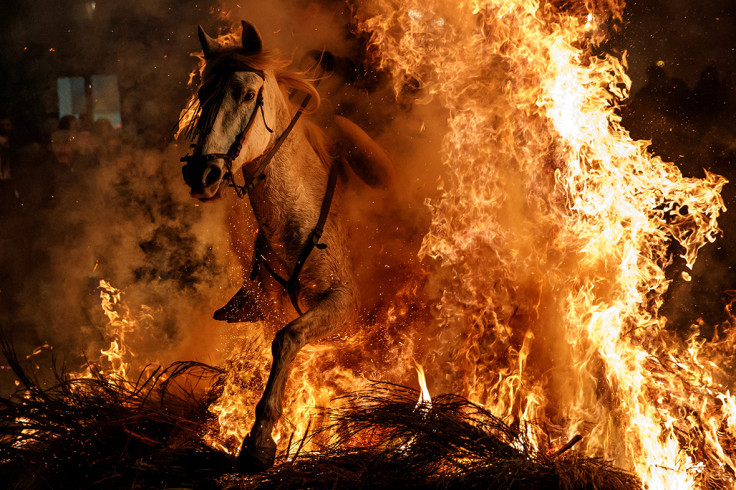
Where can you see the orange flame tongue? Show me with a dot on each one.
(424, 399)
(552, 233)
(119, 324)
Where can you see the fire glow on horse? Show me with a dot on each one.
(550, 239)
(246, 123)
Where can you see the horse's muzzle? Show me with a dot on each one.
(203, 176)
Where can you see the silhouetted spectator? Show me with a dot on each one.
(107, 139)
(85, 123)
(664, 94)
(5, 150)
(63, 141)
(708, 98)
(68, 123)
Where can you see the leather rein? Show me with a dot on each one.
(292, 285)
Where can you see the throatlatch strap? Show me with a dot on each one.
(292, 285)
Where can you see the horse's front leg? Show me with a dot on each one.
(335, 308)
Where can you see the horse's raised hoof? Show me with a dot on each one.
(240, 308)
(255, 459)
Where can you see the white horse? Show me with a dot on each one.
(246, 121)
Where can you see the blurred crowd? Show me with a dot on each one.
(32, 171)
(47, 177)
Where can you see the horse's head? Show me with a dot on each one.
(237, 102)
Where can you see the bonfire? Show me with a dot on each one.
(531, 300)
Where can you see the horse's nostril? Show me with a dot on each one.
(185, 171)
(212, 175)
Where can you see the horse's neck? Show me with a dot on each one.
(287, 201)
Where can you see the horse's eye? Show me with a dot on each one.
(250, 95)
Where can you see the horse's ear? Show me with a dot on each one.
(252, 42)
(209, 45)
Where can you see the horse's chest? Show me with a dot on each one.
(285, 223)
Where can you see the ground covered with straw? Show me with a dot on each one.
(102, 433)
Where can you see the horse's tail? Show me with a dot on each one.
(367, 159)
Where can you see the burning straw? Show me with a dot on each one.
(103, 433)
(383, 438)
(148, 434)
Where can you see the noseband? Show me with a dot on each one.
(237, 145)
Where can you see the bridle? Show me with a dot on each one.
(237, 146)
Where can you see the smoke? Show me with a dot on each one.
(129, 221)
(111, 206)
(120, 211)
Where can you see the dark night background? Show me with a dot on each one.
(682, 58)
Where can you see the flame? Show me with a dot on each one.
(424, 398)
(545, 257)
(310, 385)
(191, 109)
(115, 361)
(553, 229)
(238, 393)
(119, 323)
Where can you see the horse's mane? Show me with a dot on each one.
(212, 90)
